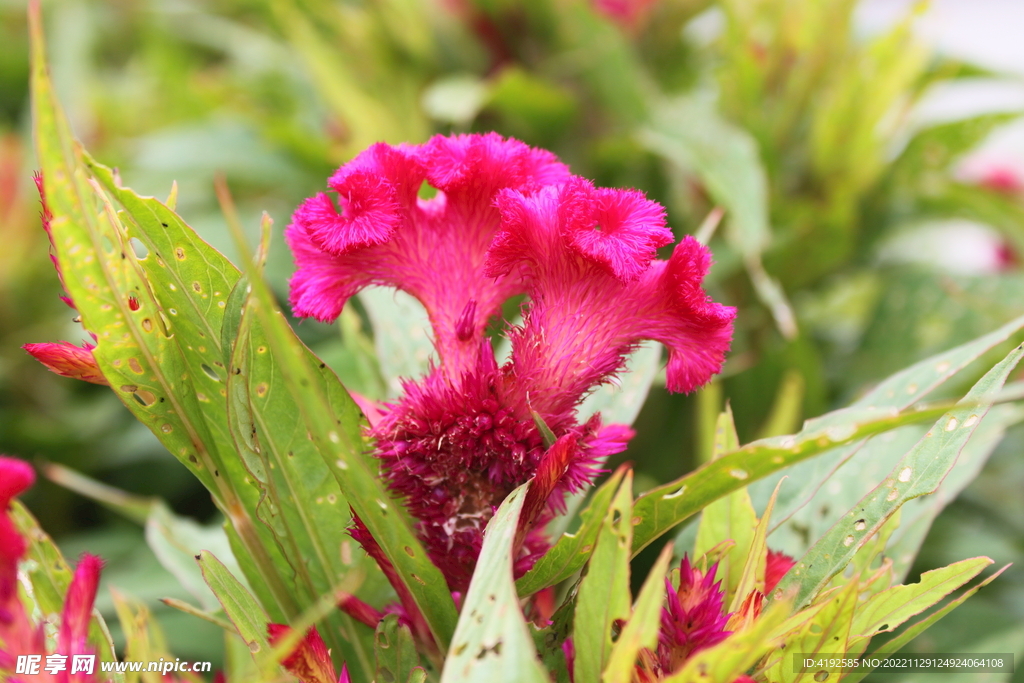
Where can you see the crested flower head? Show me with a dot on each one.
(507, 220)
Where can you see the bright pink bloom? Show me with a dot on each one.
(507, 220)
(18, 635)
(310, 661)
(629, 14)
(68, 360)
(777, 565)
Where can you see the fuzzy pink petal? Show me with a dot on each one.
(588, 311)
(68, 360)
(623, 233)
(16, 476)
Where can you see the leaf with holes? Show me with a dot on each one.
(395, 651)
(661, 508)
(888, 609)
(314, 392)
(570, 552)
(155, 365)
(303, 504)
(918, 473)
(603, 599)
(804, 494)
(492, 641)
(908, 634)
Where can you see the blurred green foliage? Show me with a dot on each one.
(774, 110)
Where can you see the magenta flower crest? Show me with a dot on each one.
(507, 220)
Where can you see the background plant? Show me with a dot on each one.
(612, 109)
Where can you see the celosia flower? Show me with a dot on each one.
(18, 635)
(68, 360)
(692, 619)
(310, 661)
(507, 220)
(63, 358)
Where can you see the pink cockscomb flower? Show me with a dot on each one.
(693, 619)
(18, 634)
(507, 220)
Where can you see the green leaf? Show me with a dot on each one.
(303, 503)
(918, 473)
(401, 333)
(395, 651)
(896, 644)
(641, 631)
(888, 609)
(731, 517)
(753, 570)
(918, 514)
(315, 391)
(51, 576)
(806, 494)
(603, 599)
(661, 508)
(492, 641)
(571, 551)
(144, 310)
(689, 133)
(249, 618)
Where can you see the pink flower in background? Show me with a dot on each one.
(68, 360)
(18, 634)
(507, 220)
(776, 566)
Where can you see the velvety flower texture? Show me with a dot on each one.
(18, 634)
(507, 220)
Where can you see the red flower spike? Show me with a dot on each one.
(74, 626)
(692, 620)
(359, 610)
(344, 677)
(776, 566)
(68, 360)
(309, 661)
